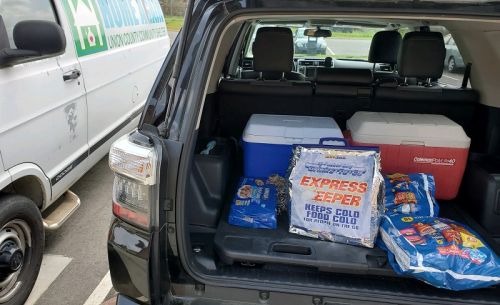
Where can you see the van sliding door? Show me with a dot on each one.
(121, 46)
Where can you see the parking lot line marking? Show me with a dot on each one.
(52, 266)
(330, 51)
(100, 292)
(453, 78)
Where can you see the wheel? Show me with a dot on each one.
(452, 65)
(22, 240)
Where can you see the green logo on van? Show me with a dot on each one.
(86, 25)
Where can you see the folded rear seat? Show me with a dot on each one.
(240, 98)
(340, 92)
(422, 57)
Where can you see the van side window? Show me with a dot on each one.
(13, 11)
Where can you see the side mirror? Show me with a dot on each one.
(34, 38)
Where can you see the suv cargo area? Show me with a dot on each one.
(272, 82)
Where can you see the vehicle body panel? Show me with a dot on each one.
(80, 166)
(65, 127)
(130, 247)
(30, 169)
(130, 43)
(5, 178)
(43, 118)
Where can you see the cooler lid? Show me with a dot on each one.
(289, 129)
(406, 129)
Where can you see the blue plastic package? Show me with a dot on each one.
(254, 204)
(410, 194)
(439, 251)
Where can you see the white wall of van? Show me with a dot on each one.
(64, 127)
(61, 110)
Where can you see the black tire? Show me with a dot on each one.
(15, 208)
(452, 65)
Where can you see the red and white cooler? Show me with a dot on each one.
(415, 143)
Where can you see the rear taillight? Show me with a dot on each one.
(131, 201)
(135, 174)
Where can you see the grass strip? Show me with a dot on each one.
(174, 23)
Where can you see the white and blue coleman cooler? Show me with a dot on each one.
(268, 140)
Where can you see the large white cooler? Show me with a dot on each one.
(411, 143)
(268, 139)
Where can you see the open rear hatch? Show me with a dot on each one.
(276, 260)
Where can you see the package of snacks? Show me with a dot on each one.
(439, 251)
(410, 194)
(336, 193)
(254, 204)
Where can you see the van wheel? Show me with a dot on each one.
(22, 240)
(452, 65)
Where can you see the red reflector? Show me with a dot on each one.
(130, 216)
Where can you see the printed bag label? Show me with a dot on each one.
(332, 195)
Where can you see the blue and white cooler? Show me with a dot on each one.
(268, 140)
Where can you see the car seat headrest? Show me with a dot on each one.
(422, 55)
(273, 50)
(385, 47)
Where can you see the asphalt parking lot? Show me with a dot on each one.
(75, 265)
(354, 47)
(454, 79)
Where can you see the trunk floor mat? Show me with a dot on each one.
(236, 244)
(277, 256)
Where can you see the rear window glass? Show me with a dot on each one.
(346, 42)
(349, 42)
(454, 64)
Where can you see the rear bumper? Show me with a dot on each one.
(128, 253)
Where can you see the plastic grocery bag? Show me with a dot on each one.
(336, 193)
(410, 194)
(439, 251)
(254, 204)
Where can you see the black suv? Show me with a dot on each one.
(170, 242)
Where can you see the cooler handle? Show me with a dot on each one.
(323, 140)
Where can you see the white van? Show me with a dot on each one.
(74, 76)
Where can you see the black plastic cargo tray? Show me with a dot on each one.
(237, 244)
